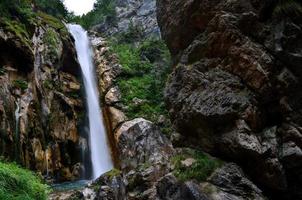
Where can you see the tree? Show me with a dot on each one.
(55, 8)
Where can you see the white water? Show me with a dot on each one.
(17, 117)
(100, 153)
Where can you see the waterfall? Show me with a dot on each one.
(17, 117)
(99, 148)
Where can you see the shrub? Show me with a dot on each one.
(102, 10)
(20, 184)
(200, 170)
(145, 67)
(20, 84)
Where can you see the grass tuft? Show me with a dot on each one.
(200, 170)
(20, 184)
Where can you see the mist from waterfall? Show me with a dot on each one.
(99, 147)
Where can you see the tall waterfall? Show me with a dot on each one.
(99, 148)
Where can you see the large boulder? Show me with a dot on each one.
(235, 89)
(139, 141)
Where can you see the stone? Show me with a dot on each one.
(229, 182)
(188, 162)
(140, 141)
(116, 117)
(113, 96)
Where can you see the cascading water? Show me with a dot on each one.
(17, 117)
(100, 153)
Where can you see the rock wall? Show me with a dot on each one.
(138, 13)
(40, 83)
(235, 89)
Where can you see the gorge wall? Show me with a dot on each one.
(136, 13)
(40, 83)
(235, 90)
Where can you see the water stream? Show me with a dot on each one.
(17, 117)
(99, 147)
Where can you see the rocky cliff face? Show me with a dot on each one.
(40, 103)
(235, 90)
(135, 13)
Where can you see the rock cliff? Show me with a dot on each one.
(235, 89)
(136, 13)
(41, 109)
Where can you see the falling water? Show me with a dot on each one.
(17, 117)
(100, 154)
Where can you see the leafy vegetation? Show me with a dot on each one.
(103, 10)
(145, 67)
(22, 84)
(54, 8)
(20, 184)
(202, 167)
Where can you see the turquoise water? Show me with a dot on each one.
(70, 185)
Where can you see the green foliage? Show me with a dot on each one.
(103, 10)
(52, 39)
(20, 84)
(200, 170)
(55, 8)
(49, 84)
(20, 184)
(113, 173)
(133, 63)
(132, 35)
(145, 68)
(2, 71)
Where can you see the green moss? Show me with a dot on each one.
(53, 22)
(145, 68)
(20, 184)
(22, 84)
(19, 30)
(2, 71)
(49, 84)
(52, 39)
(200, 170)
(113, 173)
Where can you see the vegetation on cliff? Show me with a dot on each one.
(20, 184)
(145, 67)
(102, 10)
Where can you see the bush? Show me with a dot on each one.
(20, 184)
(203, 167)
(20, 84)
(102, 10)
(145, 67)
